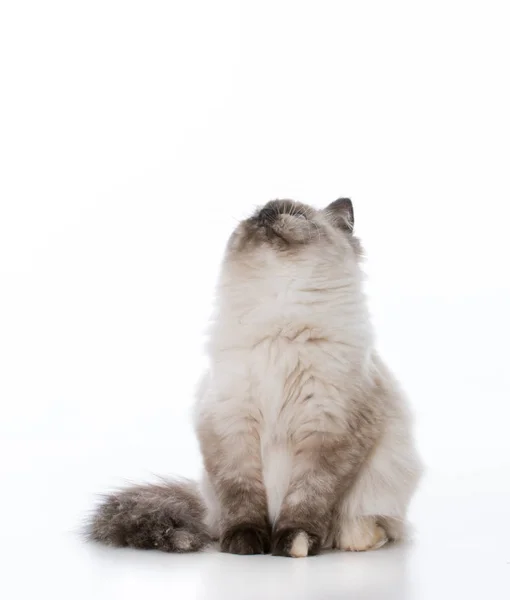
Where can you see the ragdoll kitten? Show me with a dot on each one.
(305, 435)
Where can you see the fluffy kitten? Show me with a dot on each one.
(305, 434)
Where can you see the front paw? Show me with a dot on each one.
(296, 543)
(245, 539)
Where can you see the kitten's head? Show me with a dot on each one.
(285, 230)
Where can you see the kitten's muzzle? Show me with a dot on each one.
(270, 213)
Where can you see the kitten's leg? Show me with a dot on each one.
(324, 466)
(233, 465)
(380, 494)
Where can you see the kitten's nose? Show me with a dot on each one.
(266, 215)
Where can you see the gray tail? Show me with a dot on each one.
(168, 516)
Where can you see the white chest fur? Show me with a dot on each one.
(269, 393)
(284, 383)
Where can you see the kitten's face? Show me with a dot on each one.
(285, 230)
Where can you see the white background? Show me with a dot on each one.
(133, 135)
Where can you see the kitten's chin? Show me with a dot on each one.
(293, 228)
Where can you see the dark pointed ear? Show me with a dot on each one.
(341, 213)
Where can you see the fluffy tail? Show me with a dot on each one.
(167, 516)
